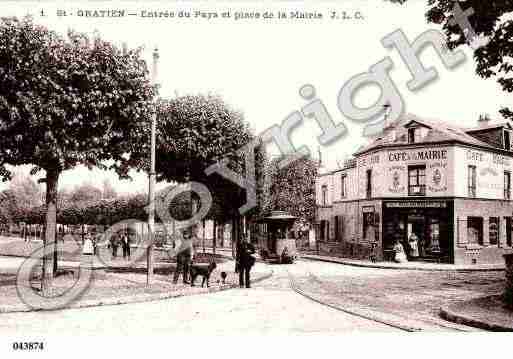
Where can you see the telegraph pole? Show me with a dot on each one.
(152, 175)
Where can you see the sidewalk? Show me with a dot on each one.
(419, 266)
(485, 313)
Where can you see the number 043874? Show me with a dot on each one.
(28, 346)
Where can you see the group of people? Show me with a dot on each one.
(122, 240)
(244, 259)
(401, 256)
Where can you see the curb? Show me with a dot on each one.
(458, 318)
(128, 299)
(378, 266)
(367, 314)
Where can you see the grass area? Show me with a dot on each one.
(117, 283)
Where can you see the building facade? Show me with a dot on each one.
(448, 185)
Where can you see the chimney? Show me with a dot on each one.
(484, 120)
(388, 109)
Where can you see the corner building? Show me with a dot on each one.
(449, 185)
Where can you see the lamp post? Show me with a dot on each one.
(152, 174)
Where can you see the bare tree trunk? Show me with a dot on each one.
(223, 228)
(52, 180)
(55, 249)
(203, 239)
(236, 230)
(214, 236)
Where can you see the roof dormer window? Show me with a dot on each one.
(411, 135)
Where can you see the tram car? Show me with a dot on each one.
(276, 242)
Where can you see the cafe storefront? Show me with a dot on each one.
(430, 220)
(446, 188)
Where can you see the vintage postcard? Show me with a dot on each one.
(224, 172)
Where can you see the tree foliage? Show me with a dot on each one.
(292, 188)
(194, 132)
(25, 190)
(108, 190)
(7, 206)
(66, 101)
(85, 193)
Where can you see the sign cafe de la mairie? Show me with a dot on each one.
(448, 185)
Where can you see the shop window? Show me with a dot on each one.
(475, 230)
(433, 245)
(368, 183)
(417, 180)
(472, 176)
(507, 185)
(493, 228)
(343, 186)
(508, 231)
(324, 195)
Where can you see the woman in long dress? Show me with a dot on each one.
(413, 242)
(400, 255)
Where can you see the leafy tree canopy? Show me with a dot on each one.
(67, 101)
(292, 188)
(85, 193)
(25, 190)
(194, 132)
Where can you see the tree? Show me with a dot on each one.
(193, 133)
(292, 188)
(85, 193)
(108, 191)
(7, 207)
(66, 101)
(492, 20)
(25, 190)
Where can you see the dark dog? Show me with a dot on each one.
(202, 270)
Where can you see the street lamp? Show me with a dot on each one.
(152, 175)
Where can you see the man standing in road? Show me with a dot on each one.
(185, 253)
(244, 261)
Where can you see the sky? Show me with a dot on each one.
(258, 66)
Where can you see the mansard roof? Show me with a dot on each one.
(438, 132)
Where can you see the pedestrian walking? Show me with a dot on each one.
(244, 261)
(185, 253)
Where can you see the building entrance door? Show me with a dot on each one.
(416, 224)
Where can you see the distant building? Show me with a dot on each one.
(448, 185)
